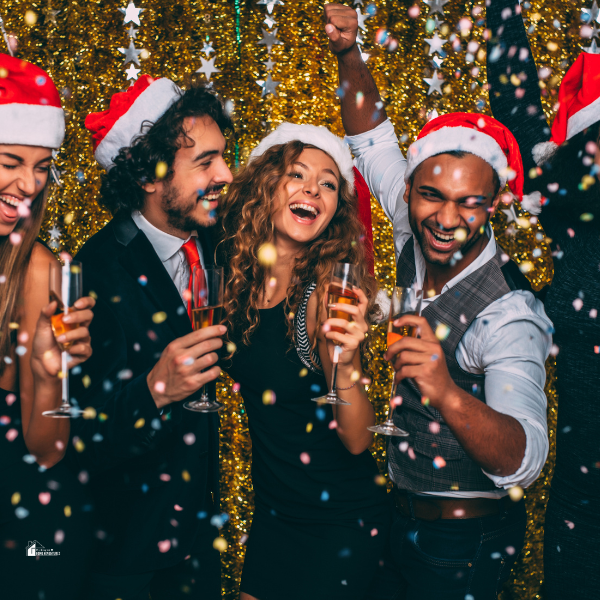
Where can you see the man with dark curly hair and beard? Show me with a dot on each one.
(152, 466)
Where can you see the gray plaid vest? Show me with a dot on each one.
(456, 308)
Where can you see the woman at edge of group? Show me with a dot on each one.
(320, 516)
(40, 500)
(569, 180)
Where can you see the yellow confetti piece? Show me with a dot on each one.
(309, 427)
(69, 218)
(116, 299)
(355, 376)
(89, 413)
(161, 169)
(303, 372)
(93, 295)
(79, 445)
(220, 544)
(159, 317)
(185, 476)
(31, 18)
(515, 80)
(13, 325)
(102, 417)
(15, 498)
(3, 73)
(516, 493)
(552, 46)
(460, 234)
(67, 511)
(380, 480)
(231, 347)
(268, 397)
(267, 255)
(86, 380)
(144, 54)
(140, 423)
(523, 223)
(526, 266)
(442, 331)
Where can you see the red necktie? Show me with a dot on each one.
(190, 249)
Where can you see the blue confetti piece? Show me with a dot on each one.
(181, 310)
(76, 370)
(324, 496)
(29, 459)
(21, 512)
(145, 487)
(316, 388)
(496, 555)
(200, 193)
(202, 514)
(87, 508)
(142, 280)
(98, 437)
(155, 424)
(216, 521)
(320, 414)
(345, 553)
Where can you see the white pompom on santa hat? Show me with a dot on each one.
(143, 103)
(317, 136)
(30, 109)
(578, 104)
(482, 136)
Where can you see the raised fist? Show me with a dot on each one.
(341, 26)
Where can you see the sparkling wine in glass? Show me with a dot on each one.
(65, 288)
(344, 278)
(405, 301)
(207, 308)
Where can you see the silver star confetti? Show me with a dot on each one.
(207, 49)
(592, 48)
(132, 72)
(270, 4)
(269, 64)
(132, 32)
(208, 67)
(589, 15)
(361, 19)
(131, 53)
(132, 14)
(54, 232)
(436, 62)
(511, 215)
(269, 39)
(269, 86)
(436, 6)
(435, 83)
(269, 21)
(435, 44)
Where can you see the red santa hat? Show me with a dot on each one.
(145, 101)
(320, 137)
(30, 109)
(578, 104)
(482, 136)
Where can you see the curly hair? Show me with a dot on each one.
(247, 225)
(158, 142)
(567, 166)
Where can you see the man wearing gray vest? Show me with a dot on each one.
(472, 383)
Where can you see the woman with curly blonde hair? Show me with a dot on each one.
(320, 516)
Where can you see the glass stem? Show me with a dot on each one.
(333, 378)
(65, 379)
(392, 406)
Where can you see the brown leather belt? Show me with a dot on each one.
(432, 509)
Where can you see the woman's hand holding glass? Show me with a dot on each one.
(344, 336)
(46, 349)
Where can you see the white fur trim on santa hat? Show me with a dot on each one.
(320, 137)
(32, 125)
(149, 106)
(583, 118)
(465, 139)
(543, 151)
(532, 203)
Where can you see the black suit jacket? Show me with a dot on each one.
(151, 474)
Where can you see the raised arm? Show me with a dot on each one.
(359, 113)
(517, 107)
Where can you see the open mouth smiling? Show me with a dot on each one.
(304, 212)
(11, 200)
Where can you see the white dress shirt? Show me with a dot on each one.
(168, 248)
(510, 339)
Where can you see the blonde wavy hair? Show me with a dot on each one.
(247, 223)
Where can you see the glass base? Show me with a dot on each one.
(203, 406)
(331, 398)
(388, 428)
(63, 412)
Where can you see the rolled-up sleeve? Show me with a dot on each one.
(514, 356)
(380, 161)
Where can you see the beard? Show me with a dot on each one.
(180, 214)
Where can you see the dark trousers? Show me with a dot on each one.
(572, 547)
(198, 577)
(450, 559)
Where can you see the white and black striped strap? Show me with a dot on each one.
(309, 358)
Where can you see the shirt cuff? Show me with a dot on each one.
(384, 132)
(534, 459)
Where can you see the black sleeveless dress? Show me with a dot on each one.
(45, 508)
(320, 520)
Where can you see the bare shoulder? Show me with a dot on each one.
(41, 257)
(36, 280)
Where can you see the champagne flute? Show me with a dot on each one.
(405, 301)
(344, 277)
(65, 288)
(207, 306)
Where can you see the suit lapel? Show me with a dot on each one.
(139, 259)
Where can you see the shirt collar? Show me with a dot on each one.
(164, 244)
(488, 253)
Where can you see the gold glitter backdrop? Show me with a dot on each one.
(77, 41)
